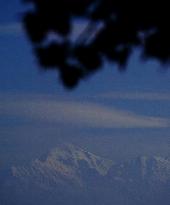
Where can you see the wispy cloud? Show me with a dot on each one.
(154, 96)
(76, 113)
(10, 29)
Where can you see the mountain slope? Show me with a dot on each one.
(63, 164)
(70, 175)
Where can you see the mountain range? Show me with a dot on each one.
(70, 175)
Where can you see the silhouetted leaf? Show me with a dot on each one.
(53, 55)
(35, 26)
(71, 75)
(88, 57)
(124, 25)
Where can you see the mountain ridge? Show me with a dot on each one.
(71, 175)
(63, 162)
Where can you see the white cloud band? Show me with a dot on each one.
(76, 113)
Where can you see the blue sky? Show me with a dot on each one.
(29, 97)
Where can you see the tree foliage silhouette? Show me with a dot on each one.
(114, 29)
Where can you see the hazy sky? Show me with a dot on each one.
(138, 98)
